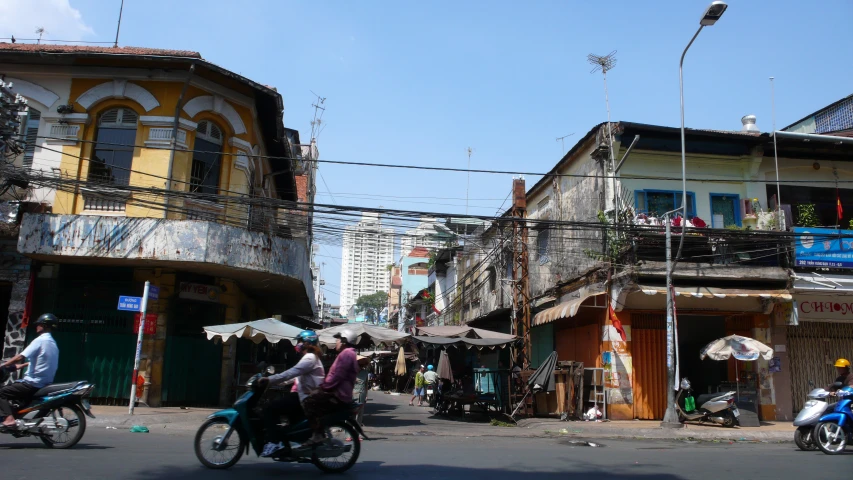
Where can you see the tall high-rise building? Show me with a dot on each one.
(429, 234)
(368, 250)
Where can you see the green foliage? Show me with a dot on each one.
(615, 242)
(497, 423)
(372, 304)
(850, 225)
(807, 215)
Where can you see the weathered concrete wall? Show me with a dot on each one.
(569, 253)
(165, 241)
(14, 269)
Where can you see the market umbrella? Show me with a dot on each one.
(541, 380)
(444, 370)
(543, 377)
(268, 329)
(401, 369)
(741, 348)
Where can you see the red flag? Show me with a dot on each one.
(840, 209)
(617, 324)
(28, 304)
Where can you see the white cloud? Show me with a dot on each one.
(60, 20)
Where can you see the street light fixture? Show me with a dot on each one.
(713, 13)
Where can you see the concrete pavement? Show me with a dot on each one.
(391, 416)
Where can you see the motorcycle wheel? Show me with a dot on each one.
(823, 432)
(340, 431)
(804, 439)
(207, 434)
(76, 427)
(729, 421)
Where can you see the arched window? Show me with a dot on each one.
(113, 155)
(30, 131)
(207, 161)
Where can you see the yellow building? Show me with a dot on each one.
(158, 166)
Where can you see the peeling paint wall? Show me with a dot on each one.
(165, 240)
(567, 253)
(14, 270)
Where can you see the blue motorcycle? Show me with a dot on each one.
(227, 434)
(835, 430)
(56, 414)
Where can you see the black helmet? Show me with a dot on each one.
(49, 320)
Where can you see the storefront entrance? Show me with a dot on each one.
(813, 348)
(96, 341)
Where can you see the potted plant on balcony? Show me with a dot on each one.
(807, 216)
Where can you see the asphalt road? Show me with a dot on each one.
(120, 454)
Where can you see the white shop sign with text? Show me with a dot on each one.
(824, 307)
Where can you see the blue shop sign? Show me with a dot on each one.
(823, 247)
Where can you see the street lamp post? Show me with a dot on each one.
(670, 419)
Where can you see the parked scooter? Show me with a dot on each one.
(835, 429)
(718, 408)
(56, 414)
(816, 407)
(222, 439)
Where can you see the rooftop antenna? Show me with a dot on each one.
(605, 63)
(118, 28)
(776, 155)
(562, 141)
(40, 31)
(468, 186)
(317, 123)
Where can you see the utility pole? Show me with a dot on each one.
(670, 418)
(520, 271)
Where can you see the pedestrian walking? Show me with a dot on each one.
(419, 388)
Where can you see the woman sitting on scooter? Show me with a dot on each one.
(309, 374)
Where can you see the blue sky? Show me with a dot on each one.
(418, 83)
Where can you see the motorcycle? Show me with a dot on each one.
(430, 394)
(223, 438)
(56, 414)
(816, 406)
(835, 429)
(714, 407)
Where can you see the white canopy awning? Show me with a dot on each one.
(710, 292)
(569, 306)
(365, 333)
(268, 329)
(816, 282)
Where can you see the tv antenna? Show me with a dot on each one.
(562, 141)
(468, 185)
(40, 31)
(317, 124)
(605, 63)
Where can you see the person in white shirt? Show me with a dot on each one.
(309, 374)
(42, 357)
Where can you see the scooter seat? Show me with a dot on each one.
(56, 387)
(706, 397)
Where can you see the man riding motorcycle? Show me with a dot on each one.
(845, 376)
(42, 357)
(309, 374)
(336, 391)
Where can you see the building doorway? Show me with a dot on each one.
(694, 332)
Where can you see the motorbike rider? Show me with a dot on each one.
(845, 376)
(336, 391)
(430, 377)
(42, 357)
(309, 374)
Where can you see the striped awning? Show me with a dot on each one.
(710, 292)
(564, 310)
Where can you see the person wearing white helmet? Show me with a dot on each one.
(336, 391)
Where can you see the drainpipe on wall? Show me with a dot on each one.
(178, 107)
